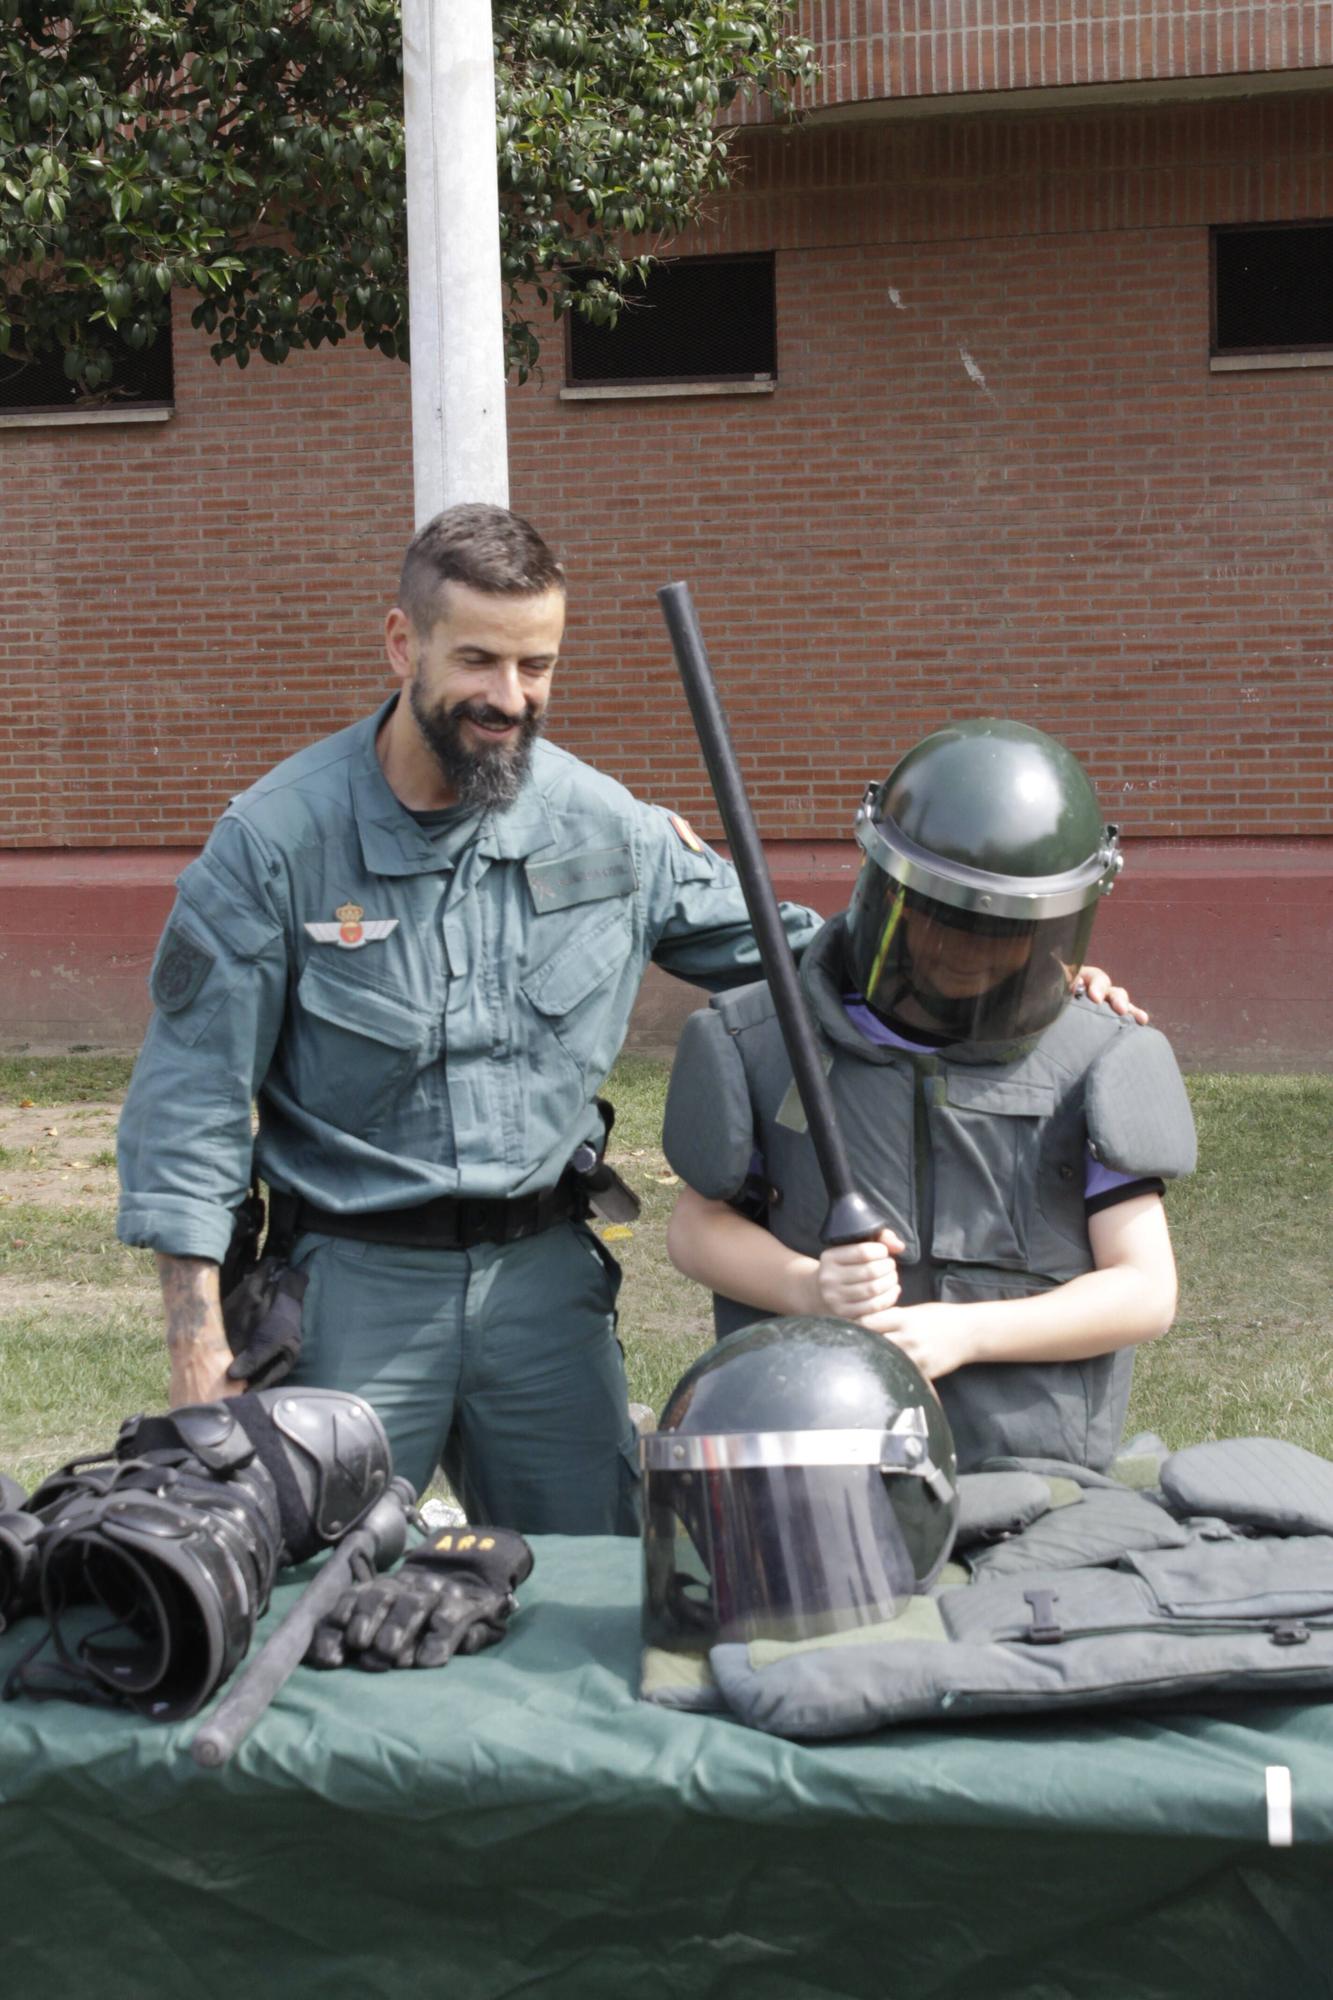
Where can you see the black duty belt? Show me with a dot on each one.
(452, 1222)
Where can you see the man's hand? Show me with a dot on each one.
(856, 1281)
(196, 1340)
(1096, 985)
(200, 1376)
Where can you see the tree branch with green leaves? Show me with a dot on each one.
(252, 154)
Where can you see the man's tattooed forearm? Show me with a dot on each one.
(189, 1296)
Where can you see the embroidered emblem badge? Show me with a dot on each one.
(183, 964)
(350, 933)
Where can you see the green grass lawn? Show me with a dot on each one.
(80, 1345)
(1250, 1352)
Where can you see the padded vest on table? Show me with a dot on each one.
(978, 1163)
(1093, 1597)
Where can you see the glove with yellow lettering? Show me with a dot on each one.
(453, 1595)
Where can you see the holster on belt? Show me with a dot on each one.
(261, 1293)
(608, 1195)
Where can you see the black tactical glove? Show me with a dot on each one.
(451, 1596)
(262, 1317)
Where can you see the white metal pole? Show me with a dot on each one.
(459, 445)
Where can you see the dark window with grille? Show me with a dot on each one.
(700, 319)
(39, 386)
(1273, 288)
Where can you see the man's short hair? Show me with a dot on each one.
(486, 548)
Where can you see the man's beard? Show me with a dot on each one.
(486, 780)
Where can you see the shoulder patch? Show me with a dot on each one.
(685, 833)
(183, 964)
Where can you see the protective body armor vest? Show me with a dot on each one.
(976, 1157)
(1218, 1583)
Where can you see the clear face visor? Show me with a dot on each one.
(958, 973)
(739, 1551)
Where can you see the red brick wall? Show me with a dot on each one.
(996, 475)
(196, 598)
(935, 48)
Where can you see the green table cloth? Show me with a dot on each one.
(520, 1823)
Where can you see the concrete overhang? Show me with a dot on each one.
(1137, 91)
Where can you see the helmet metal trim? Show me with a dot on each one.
(965, 888)
(901, 1450)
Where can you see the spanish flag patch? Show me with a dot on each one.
(685, 833)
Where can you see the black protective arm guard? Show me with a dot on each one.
(324, 1450)
(154, 1565)
(20, 1534)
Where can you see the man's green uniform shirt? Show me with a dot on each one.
(416, 1018)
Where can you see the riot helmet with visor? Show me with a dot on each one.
(801, 1481)
(985, 859)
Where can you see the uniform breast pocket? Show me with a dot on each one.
(578, 993)
(354, 1049)
(986, 1138)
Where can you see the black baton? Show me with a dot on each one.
(381, 1538)
(850, 1217)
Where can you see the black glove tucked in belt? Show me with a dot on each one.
(262, 1318)
(452, 1596)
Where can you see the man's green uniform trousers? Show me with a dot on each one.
(438, 1337)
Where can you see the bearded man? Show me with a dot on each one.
(417, 945)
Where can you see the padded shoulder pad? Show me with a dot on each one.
(708, 1129)
(744, 1007)
(1139, 1118)
(1107, 1524)
(1258, 1482)
(998, 1503)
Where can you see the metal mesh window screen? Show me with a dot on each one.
(703, 318)
(43, 385)
(1273, 287)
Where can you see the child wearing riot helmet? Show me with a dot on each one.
(1017, 1137)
